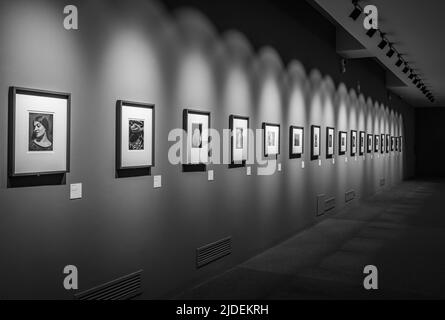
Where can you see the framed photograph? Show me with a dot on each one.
(330, 142)
(376, 143)
(343, 142)
(392, 143)
(382, 143)
(387, 142)
(370, 140)
(296, 142)
(39, 132)
(353, 143)
(362, 143)
(400, 143)
(315, 142)
(197, 125)
(239, 128)
(271, 140)
(396, 143)
(135, 129)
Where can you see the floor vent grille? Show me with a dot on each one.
(212, 252)
(124, 288)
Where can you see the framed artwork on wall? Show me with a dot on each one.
(239, 142)
(296, 142)
(271, 139)
(135, 133)
(396, 143)
(353, 143)
(39, 132)
(387, 142)
(330, 142)
(376, 143)
(197, 125)
(400, 143)
(315, 142)
(343, 142)
(392, 143)
(382, 143)
(362, 143)
(370, 140)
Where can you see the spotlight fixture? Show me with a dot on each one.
(356, 12)
(419, 85)
(371, 32)
(411, 76)
(383, 44)
(390, 52)
(415, 81)
(406, 69)
(399, 62)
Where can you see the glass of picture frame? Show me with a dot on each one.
(353, 143)
(362, 143)
(343, 142)
(135, 126)
(382, 143)
(239, 142)
(296, 142)
(196, 124)
(315, 142)
(392, 143)
(370, 140)
(376, 143)
(387, 143)
(39, 132)
(330, 142)
(271, 139)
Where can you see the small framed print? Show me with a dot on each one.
(39, 132)
(296, 142)
(197, 126)
(376, 143)
(370, 140)
(396, 143)
(330, 142)
(387, 142)
(343, 142)
(400, 143)
(135, 126)
(362, 143)
(239, 128)
(382, 143)
(392, 143)
(315, 142)
(271, 139)
(353, 143)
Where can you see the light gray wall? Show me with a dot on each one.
(135, 50)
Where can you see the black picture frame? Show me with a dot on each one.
(392, 143)
(313, 155)
(139, 170)
(13, 92)
(376, 143)
(233, 163)
(382, 143)
(362, 143)
(194, 167)
(264, 126)
(370, 140)
(400, 144)
(387, 143)
(330, 130)
(341, 135)
(293, 155)
(353, 141)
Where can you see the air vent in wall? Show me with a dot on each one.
(329, 204)
(349, 196)
(213, 252)
(124, 288)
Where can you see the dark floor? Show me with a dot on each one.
(401, 232)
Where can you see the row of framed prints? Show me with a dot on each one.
(39, 137)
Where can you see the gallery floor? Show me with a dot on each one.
(401, 232)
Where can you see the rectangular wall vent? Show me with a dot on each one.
(320, 204)
(382, 182)
(349, 196)
(124, 288)
(329, 204)
(213, 252)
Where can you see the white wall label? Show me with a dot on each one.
(211, 175)
(333, 160)
(157, 182)
(355, 158)
(76, 191)
(346, 159)
(279, 167)
(319, 163)
(302, 164)
(249, 171)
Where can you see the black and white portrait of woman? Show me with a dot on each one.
(136, 135)
(41, 132)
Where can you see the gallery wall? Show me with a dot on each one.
(175, 57)
(429, 141)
